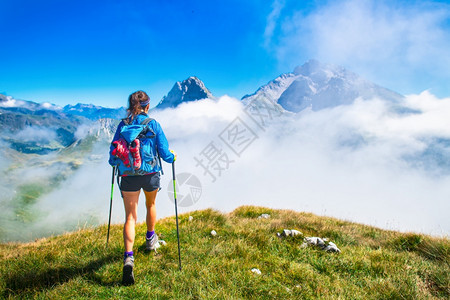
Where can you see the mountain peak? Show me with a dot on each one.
(316, 86)
(318, 71)
(81, 107)
(190, 89)
(309, 67)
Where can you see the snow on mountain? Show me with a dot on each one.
(94, 112)
(268, 95)
(191, 89)
(275, 88)
(317, 86)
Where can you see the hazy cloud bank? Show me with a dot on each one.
(370, 162)
(365, 162)
(36, 134)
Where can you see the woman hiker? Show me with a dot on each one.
(132, 158)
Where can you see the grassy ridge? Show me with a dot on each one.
(374, 263)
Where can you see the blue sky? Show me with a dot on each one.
(100, 51)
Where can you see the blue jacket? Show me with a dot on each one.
(159, 142)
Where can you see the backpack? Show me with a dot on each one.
(137, 149)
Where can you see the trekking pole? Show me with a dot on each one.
(110, 203)
(176, 214)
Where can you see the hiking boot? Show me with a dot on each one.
(152, 242)
(128, 276)
(134, 149)
(121, 151)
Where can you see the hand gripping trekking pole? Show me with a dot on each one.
(176, 214)
(110, 203)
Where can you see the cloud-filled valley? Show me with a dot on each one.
(375, 161)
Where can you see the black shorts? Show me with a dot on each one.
(148, 182)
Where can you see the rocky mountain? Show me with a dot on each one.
(191, 89)
(89, 111)
(33, 128)
(317, 86)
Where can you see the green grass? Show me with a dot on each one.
(374, 263)
(26, 197)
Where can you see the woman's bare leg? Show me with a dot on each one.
(151, 209)
(130, 201)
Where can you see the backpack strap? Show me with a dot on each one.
(146, 121)
(147, 128)
(127, 120)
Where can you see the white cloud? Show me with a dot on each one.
(36, 134)
(360, 162)
(198, 116)
(272, 19)
(48, 105)
(392, 43)
(83, 197)
(365, 162)
(85, 129)
(8, 101)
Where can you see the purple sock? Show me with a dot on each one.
(149, 234)
(126, 254)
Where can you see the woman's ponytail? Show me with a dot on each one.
(136, 103)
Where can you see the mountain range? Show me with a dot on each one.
(40, 128)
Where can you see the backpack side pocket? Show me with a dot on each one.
(148, 156)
